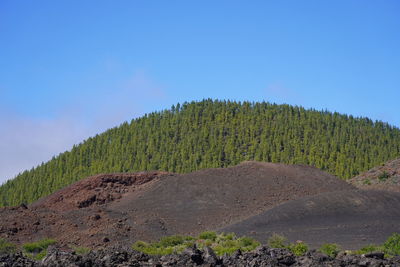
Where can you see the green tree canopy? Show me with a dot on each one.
(214, 133)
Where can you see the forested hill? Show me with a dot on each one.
(211, 133)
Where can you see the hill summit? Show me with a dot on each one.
(210, 134)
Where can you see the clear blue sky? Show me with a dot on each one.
(70, 69)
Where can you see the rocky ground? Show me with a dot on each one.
(384, 177)
(122, 208)
(262, 256)
(254, 199)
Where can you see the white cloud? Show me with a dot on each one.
(25, 142)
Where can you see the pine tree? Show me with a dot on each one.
(205, 134)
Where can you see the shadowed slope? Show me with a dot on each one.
(350, 218)
(211, 198)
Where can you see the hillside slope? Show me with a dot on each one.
(383, 177)
(122, 208)
(350, 218)
(211, 134)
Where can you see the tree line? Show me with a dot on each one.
(212, 133)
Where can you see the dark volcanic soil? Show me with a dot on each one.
(122, 208)
(350, 218)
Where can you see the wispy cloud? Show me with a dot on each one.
(25, 142)
(140, 83)
(278, 92)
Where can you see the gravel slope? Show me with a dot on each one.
(350, 218)
(122, 208)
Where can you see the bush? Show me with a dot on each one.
(383, 176)
(369, 249)
(38, 250)
(299, 248)
(174, 240)
(208, 235)
(226, 247)
(81, 250)
(7, 247)
(277, 241)
(220, 243)
(248, 243)
(39, 245)
(330, 250)
(392, 245)
(225, 236)
(140, 245)
(367, 182)
(166, 245)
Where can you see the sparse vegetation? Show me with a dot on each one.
(392, 245)
(38, 250)
(229, 243)
(220, 243)
(175, 240)
(367, 182)
(277, 241)
(330, 249)
(166, 245)
(298, 248)
(208, 235)
(383, 176)
(369, 249)
(223, 243)
(81, 250)
(7, 247)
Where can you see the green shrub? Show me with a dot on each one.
(277, 241)
(299, 248)
(367, 182)
(174, 240)
(166, 245)
(248, 243)
(369, 249)
(7, 247)
(38, 250)
(140, 245)
(226, 247)
(39, 256)
(330, 250)
(228, 244)
(152, 250)
(392, 245)
(383, 176)
(81, 250)
(208, 235)
(225, 236)
(39, 245)
(220, 243)
(208, 243)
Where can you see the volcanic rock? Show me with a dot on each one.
(124, 208)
